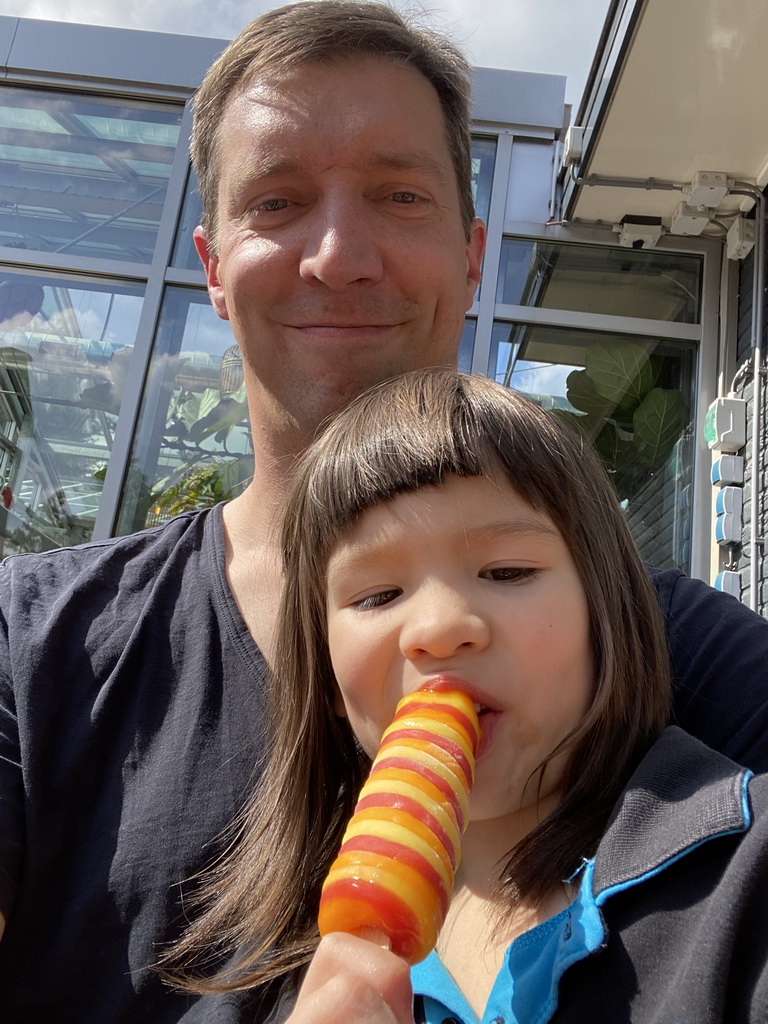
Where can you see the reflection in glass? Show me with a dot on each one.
(530, 181)
(83, 175)
(632, 398)
(467, 345)
(616, 281)
(193, 443)
(184, 252)
(483, 159)
(65, 347)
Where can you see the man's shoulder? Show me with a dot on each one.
(691, 601)
(104, 587)
(180, 536)
(667, 581)
(147, 600)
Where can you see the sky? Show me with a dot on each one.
(556, 37)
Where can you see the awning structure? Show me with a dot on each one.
(677, 88)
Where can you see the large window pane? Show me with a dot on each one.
(193, 443)
(530, 180)
(83, 175)
(632, 398)
(64, 353)
(598, 279)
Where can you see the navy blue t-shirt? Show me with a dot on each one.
(123, 756)
(719, 653)
(131, 718)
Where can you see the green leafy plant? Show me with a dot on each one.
(632, 422)
(201, 487)
(204, 478)
(195, 417)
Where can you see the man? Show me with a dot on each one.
(337, 243)
(332, 146)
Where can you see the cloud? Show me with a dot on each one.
(556, 37)
(551, 36)
(220, 20)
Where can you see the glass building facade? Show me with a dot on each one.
(121, 393)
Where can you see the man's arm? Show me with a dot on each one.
(719, 658)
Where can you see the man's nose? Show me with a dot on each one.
(342, 245)
(440, 624)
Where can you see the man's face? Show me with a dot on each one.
(342, 259)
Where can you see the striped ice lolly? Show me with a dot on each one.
(394, 872)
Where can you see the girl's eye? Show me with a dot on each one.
(509, 574)
(378, 599)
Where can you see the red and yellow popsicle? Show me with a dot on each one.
(395, 869)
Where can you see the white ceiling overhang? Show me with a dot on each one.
(690, 95)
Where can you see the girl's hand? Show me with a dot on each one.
(354, 981)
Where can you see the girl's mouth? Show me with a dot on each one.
(487, 716)
(488, 720)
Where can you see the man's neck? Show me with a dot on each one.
(252, 522)
(253, 559)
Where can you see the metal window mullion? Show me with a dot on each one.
(185, 278)
(130, 407)
(486, 303)
(160, 95)
(38, 263)
(541, 316)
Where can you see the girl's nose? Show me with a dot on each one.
(440, 623)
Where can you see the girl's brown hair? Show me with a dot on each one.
(409, 433)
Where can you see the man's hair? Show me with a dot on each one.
(410, 433)
(323, 32)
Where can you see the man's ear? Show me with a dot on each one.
(475, 250)
(210, 263)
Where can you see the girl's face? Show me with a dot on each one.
(465, 581)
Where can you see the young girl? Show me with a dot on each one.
(612, 869)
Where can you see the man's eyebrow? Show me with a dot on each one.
(414, 160)
(261, 170)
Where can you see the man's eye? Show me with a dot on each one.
(405, 197)
(273, 205)
(509, 574)
(378, 599)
